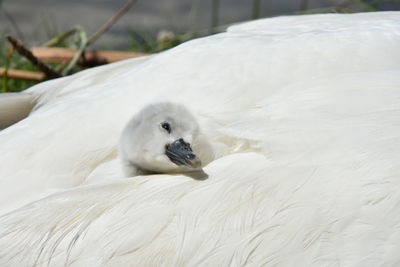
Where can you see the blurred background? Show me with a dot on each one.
(36, 21)
(148, 26)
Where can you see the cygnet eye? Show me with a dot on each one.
(166, 126)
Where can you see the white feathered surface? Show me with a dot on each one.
(303, 114)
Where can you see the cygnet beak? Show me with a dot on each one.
(180, 153)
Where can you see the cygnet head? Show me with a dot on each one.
(159, 140)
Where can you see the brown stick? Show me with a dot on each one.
(19, 46)
(23, 74)
(111, 21)
(89, 58)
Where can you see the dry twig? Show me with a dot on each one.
(22, 74)
(111, 21)
(88, 58)
(21, 49)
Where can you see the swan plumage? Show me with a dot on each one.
(301, 113)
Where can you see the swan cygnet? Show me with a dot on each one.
(158, 139)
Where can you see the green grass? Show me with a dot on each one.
(148, 43)
(13, 61)
(139, 42)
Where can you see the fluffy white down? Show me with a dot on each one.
(144, 141)
(303, 114)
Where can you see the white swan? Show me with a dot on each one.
(302, 114)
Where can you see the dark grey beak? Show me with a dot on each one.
(180, 153)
